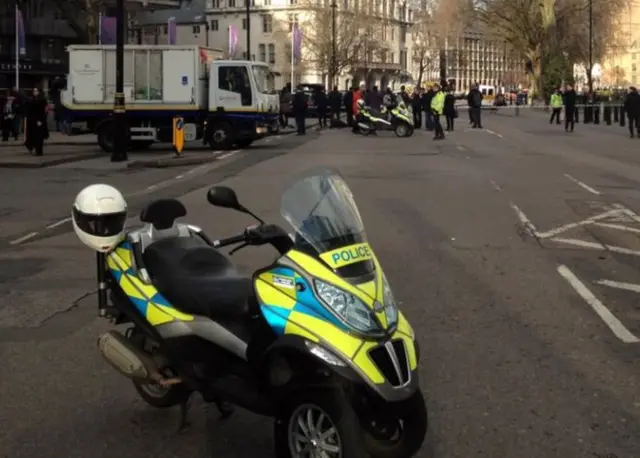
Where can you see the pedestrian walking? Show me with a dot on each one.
(632, 108)
(437, 109)
(450, 110)
(474, 100)
(37, 130)
(321, 102)
(7, 116)
(556, 106)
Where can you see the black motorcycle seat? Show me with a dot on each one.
(197, 279)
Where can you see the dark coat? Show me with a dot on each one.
(300, 103)
(569, 98)
(36, 118)
(348, 101)
(335, 100)
(450, 105)
(632, 104)
(426, 100)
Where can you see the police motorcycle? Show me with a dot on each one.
(314, 340)
(396, 120)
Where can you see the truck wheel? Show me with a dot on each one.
(244, 143)
(105, 137)
(221, 137)
(141, 145)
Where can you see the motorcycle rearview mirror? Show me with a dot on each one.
(222, 196)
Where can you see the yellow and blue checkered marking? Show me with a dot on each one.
(146, 299)
(287, 281)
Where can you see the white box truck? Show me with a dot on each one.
(223, 102)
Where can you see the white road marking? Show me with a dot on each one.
(603, 312)
(631, 214)
(224, 156)
(460, 148)
(524, 220)
(58, 223)
(618, 227)
(566, 227)
(153, 186)
(583, 185)
(24, 238)
(620, 285)
(179, 177)
(495, 186)
(494, 133)
(596, 246)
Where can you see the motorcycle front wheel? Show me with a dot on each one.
(399, 436)
(318, 423)
(403, 130)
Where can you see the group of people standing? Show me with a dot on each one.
(25, 115)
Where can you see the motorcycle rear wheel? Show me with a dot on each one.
(399, 437)
(320, 420)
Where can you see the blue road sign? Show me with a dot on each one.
(180, 124)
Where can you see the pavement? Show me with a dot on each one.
(512, 249)
(63, 149)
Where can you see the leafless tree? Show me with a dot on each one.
(536, 27)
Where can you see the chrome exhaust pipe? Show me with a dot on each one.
(125, 357)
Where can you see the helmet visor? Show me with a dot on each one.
(103, 225)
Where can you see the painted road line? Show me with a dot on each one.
(603, 312)
(460, 148)
(179, 177)
(494, 133)
(596, 246)
(618, 227)
(583, 185)
(495, 186)
(526, 223)
(619, 285)
(566, 227)
(22, 239)
(58, 223)
(224, 156)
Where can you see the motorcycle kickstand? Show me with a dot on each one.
(184, 411)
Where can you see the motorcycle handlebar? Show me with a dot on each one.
(230, 241)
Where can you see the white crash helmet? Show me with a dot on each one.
(99, 214)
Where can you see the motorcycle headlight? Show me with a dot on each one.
(349, 307)
(390, 306)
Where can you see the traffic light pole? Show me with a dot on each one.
(120, 129)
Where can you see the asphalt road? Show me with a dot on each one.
(527, 338)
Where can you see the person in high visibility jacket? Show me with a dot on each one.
(437, 109)
(556, 106)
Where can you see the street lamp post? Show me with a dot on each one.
(120, 137)
(334, 66)
(590, 75)
(247, 12)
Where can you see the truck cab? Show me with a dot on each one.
(241, 108)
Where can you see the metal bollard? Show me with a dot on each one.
(517, 110)
(622, 117)
(596, 114)
(577, 115)
(616, 113)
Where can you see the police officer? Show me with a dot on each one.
(556, 106)
(437, 109)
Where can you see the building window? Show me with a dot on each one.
(267, 2)
(262, 53)
(293, 19)
(633, 56)
(165, 29)
(267, 23)
(272, 53)
(393, 58)
(393, 33)
(293, 2)
(215, 25)
(196, 29)
(244, 23)
(633, 67)
(232, 3)
(215, 4)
